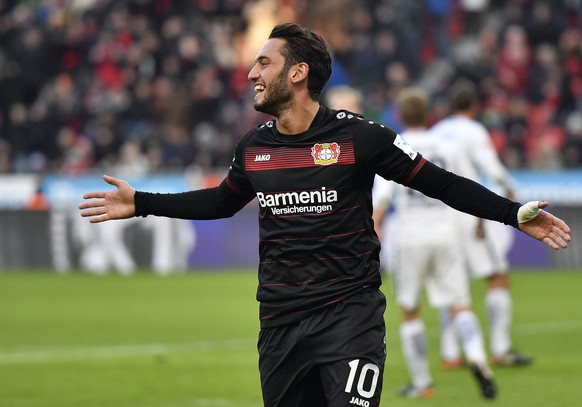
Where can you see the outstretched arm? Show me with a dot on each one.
(124, 202)
(116, 204)
(473, 198)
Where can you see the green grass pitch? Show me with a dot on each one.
(189, 340)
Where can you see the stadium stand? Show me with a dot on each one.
(150, 85)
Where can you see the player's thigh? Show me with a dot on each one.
(501, 238)
(353, 352)
(448, 284)
(410, 272)
(288, 375)
(481, 256)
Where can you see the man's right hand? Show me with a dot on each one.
(116, 204)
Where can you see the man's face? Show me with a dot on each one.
(274, 94)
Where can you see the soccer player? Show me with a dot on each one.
(311, 169)
(344, 97)
(485, 244)
(430, 261)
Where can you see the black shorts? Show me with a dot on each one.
(333, 357)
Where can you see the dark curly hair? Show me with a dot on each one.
(464, 95)
(303, 45)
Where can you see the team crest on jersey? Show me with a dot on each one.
(325, 153)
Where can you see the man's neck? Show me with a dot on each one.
(297, 119)
(468, 114)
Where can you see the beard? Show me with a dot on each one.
(278, 98)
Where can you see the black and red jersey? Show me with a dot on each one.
(317, 241)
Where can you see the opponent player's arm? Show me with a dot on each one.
(210, 203)
(489, 163)
(381, 197)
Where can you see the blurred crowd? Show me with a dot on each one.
(139, 86)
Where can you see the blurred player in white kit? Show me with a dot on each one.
(484, 244)
(426, 256)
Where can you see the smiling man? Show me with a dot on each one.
(312, 169)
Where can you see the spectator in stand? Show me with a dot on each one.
(4, 156)
(513, 68)
(544, 22)
(474, 12)
(515, 132)
(570, 54)
(398, 78)
(439, 13)
(572, 156)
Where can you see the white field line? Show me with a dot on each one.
(119, 351)
(542, 328)
(159, 349)
(549, 327)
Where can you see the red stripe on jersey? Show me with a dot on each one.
(414, 171)
(269, 158)
(319, 258)
(313, 237)
(233, 187)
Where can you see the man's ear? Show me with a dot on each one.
(299, 72)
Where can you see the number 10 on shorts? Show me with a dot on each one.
(368, 368)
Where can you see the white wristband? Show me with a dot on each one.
(528, 211)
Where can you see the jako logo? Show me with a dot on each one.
(359, 402)
(262, 157)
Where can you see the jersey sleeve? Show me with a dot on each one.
(384, 152)
(202, 204)
(222, 201)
